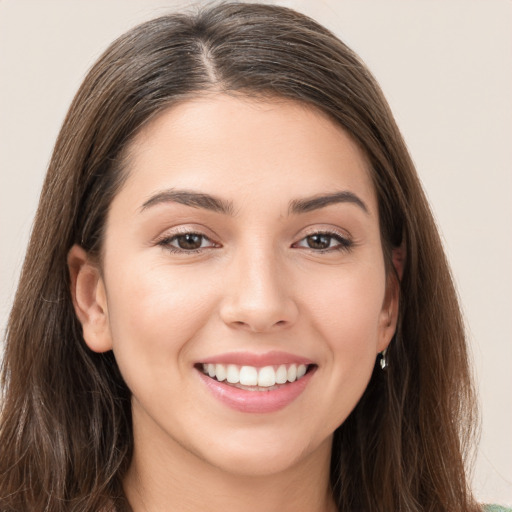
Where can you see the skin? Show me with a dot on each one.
(256, 285)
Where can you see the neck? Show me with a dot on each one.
(166, 476)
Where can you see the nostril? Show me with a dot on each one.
(259, 326)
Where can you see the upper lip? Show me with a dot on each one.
(258, 360)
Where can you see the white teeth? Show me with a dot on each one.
(220, 372)
(248, 376)
(265, 377)
(233, 374)
(281, 374)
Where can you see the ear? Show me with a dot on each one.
(89, 299)
(389, 313)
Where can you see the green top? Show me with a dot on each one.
(496, 508)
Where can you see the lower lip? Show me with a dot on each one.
(257, 401)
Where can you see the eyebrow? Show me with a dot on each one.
(216, 204)
(190, 198)
(309, 204)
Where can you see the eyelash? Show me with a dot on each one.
(167, 241)
(344, 243)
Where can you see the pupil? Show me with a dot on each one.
(189, 241)
(319, 241)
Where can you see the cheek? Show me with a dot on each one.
(346, 313)
(347, 306)
(154, 312)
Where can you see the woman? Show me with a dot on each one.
(235, 295)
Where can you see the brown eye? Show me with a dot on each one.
(324, 242)
(189, 242)
(319, 241)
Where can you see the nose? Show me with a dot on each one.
(258, 296)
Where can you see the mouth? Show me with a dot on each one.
(253, 378)
(250, 383)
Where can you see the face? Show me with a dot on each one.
(243, 288)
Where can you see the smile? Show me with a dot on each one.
(251, 383)
(252, 378)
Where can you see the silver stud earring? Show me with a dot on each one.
(383, 361)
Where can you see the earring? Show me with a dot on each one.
(383, 361)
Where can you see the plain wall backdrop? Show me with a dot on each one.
(445, 68)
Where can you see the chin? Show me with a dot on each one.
(260, 456)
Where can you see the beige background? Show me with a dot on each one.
(446, 68)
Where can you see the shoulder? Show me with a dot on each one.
(496, 508)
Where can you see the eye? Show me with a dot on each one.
(323, 242)
(187, 242)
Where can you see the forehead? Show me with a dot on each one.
(243, 147)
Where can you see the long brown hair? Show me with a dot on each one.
(65, 428)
